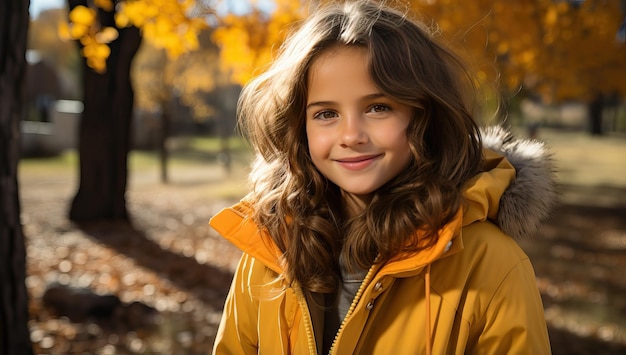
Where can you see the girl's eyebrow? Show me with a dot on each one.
(319, 103)
(373, 96)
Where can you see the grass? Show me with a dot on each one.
(235, 144)
(63, 162)
(183, 151)
(194, 164)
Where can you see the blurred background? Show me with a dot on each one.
(128, 147)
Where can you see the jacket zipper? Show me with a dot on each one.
(355, 301)
(308, 324)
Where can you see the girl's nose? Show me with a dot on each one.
(352, 131)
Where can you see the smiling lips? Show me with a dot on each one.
(358, 163)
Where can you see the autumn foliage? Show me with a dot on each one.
(557, 49)
(248, 41)
(168, 24)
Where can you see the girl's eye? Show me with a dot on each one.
(324, 115)
(379, 108)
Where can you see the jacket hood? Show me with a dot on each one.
(518, 200)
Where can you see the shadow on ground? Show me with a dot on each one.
(184, 272)
(580, 263)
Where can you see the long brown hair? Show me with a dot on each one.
(299, 207)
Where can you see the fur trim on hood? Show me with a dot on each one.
(527, 202)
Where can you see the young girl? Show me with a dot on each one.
(378, 219)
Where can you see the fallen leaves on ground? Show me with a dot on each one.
(158, 285)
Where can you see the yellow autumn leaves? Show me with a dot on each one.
(558, 49)
(247, 41)
(164, 23)
(93, 39)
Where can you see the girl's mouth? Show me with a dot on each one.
(358, 163)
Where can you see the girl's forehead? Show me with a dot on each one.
(339, 52)
(345, 56)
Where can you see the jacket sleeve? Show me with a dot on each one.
(237, 330)
(514, 321)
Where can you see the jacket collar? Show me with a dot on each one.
(448, 243)
(235, 224)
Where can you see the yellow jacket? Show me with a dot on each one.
(473, 292)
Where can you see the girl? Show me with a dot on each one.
(377, 221)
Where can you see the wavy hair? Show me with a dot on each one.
(300, 208)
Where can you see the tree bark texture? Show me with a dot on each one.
(14, 333)
(105, 130)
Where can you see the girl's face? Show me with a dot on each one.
(356, 134)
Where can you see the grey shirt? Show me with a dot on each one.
(338, 304)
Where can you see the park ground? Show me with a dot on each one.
(158, 285)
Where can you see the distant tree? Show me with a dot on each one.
(188, 77)
(108, 34)
(557, 50)
(104, 133)
(163, 84)
(14, 334)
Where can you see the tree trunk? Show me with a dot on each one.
(14, 334)
(164, 135)
(104, 134)
(596, 109)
